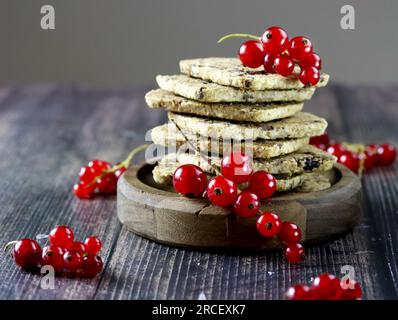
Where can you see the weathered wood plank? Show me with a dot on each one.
(185, 274)
(371, 115)
(47, 132)
(167, 218)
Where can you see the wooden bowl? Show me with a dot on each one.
(166, 217)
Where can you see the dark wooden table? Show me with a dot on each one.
(48, 132)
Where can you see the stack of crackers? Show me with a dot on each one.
(216, 105)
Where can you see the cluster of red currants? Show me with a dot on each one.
(326, 287)
(277, 54)
(98, 177)
(358, 158)
(224, 191)
(64, 254)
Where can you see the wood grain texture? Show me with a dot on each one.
(162, 215)
(48, 132)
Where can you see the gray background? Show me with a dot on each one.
(127, 42)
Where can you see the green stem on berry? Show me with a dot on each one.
(123, 164)
(11, 243)
(130, 157)
(238, 35)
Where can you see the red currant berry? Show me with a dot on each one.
(72, 261)
(269, 224)
(336, 149)
(93, 245)
(386, 154)
(337, 295)
(61, 236)
(334, 291)
(87, 174)
(297, 292)
(119, 172)
(353, 292)
(350, 160)
(311, 294)
(369, 160)
(236, 167)
(27, 254)
(251, 54)
(92, 265)
(274, 40)
(107, 184)
(78, 247)
(262, 184)
(269, 63)
(99, 166)
(53, 256)
(83, 190)
(372, 150)
(312, 60)
(189, 180)
(247, 205)
(221, 191)
(300, 48)
(283, 65)
(309, 75)
(290, 232)
(322, 139)
(294, 253)
(325, 286)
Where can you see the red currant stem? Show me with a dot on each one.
(11, 243)
(238, 35)
(125, 163)
(216, 170)
(361, 168)
(242, 186)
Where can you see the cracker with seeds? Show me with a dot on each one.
(305, 160)
(258, 112)
(205, 91)
(163, 173)
(231, 72)
(167, 135)
(301, 125)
